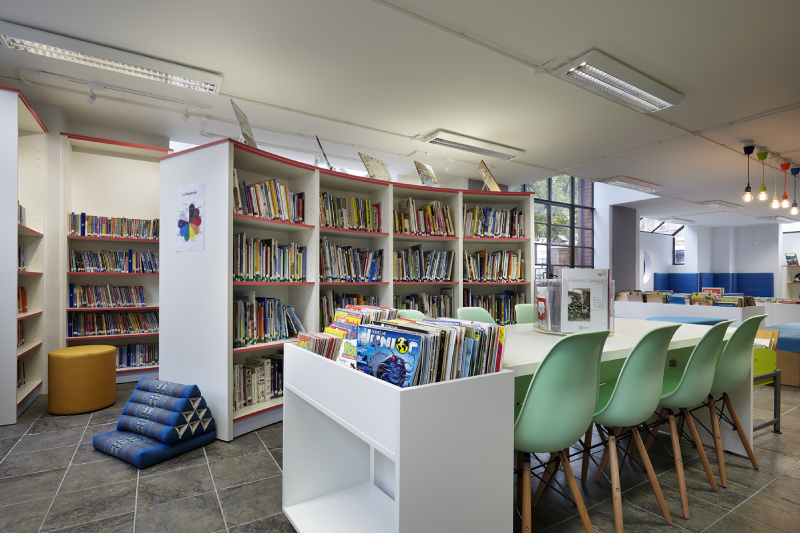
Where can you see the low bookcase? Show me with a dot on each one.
(362, 455)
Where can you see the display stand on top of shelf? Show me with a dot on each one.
(22, 168)
(196, 295)
(390, 458)
(110, 178)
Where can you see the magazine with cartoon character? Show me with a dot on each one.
(389, 355)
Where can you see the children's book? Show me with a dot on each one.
(541, 308)
(488, 179)
(389, 355)
(791, 260)
(426, 175)
(375, 168)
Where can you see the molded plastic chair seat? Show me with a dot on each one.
(411, 313)
(526, 313)
(476, 314)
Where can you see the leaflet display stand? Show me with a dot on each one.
(361, 455)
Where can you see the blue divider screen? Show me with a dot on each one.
(722, 280)
(751, 284)
(707, 280)
(684, 282)
(760, 284)
(661, 282)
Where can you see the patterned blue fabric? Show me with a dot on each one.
(168, 388)
(142, 451)
(162, 416)
(164, 433)
(168, 403)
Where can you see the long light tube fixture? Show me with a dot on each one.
(762, 156)
(748, 150)
(55, 46)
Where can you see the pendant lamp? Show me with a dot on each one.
(748, 150)
(795, 171)
(762, 194)
(785, 166)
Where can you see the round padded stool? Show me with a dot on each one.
(81, 379)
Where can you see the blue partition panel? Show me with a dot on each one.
(751, 284)
(686, 283)
(661, 282)
(757, 284)
(723, 280)
(707, 280)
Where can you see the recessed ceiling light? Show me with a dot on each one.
(472, 145)
(632, 183)
(608, 77)
(720, 204)
(54, 46)
(779, 219)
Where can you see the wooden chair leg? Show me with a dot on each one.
(576, 494)
(720, 453)
(700, 450)
(651, 475)
(676, 453)
(548, 472)
(654, 431)
(616, 492)
(524, 502)
(740, 431)
(587, 442)
(604, 461)
(519, 467)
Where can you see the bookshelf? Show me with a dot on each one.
(22, 170)
(196, 289)
(104, 177)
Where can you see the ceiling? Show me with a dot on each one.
(367, 78)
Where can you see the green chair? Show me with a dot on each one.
(628, 402)
(732, 371)
(411, 313)
(557, 408)
(684, 388)
(476, 314)
(526, 313)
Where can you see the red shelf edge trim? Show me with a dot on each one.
(29, 350)
(119, 239)
(26, 273)
(115, 143)
(31, 230)
(31, 392)
(110, 274)
(27, 105)
(406, 235)
(426, 283)
(29, 315)
(264, 346)
(497, 283)
(273, 282)
(114, 336)
(103, 309)
(271, 221)
(138, 369)
(353, 282)
(361, 232)
(236, 419)
(497, 239)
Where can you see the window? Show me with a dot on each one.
(791, 227)
(678, 248)
(563, 224)
(671, 229)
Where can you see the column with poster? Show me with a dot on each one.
(190, 225)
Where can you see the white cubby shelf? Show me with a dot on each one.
(393, 459)
(196, 317)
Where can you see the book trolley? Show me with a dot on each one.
(22, 171)
(196, 289)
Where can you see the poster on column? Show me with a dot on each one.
(191, 212)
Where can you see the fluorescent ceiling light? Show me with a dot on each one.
(608, 77)
(720, 204)
(632, 183)
(88, 54)
(472, 145)
(779, 219)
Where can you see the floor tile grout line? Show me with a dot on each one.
(62, 479)
(20, 437)
(136, 499)
(269, 452)
(219, 501)
(256, 520)
(170, 502)
(44, 449)
(84, 523)
(249, 482)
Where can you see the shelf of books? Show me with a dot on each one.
(112, 242)
(273, 266)
(22, 169)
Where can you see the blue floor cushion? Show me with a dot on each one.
(143, 451)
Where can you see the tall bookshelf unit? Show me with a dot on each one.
(109, 178)
(22, 171)
(196, 300)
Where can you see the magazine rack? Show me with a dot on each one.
(361, 455)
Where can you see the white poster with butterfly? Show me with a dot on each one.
(190, 226)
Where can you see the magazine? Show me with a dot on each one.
(791, 260)
(541, 308)
(389, 355)
(375, 168)
(426, 175)
(488, 179)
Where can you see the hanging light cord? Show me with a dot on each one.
(784, 183)
(795, 188)
(763, 174)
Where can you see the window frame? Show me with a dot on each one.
(674, 237)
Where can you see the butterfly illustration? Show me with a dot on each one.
(189, 223)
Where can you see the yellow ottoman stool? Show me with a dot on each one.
(81, 379)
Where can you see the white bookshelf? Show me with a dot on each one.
(22, 171)
(196, 289)
(392, 459)
(103, 177)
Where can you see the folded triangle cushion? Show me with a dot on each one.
(168, 388)
(143, 451)
(168, 403)
(162, 416)
(164, 433)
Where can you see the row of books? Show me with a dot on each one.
(83, 225)
(267, 199)
(258, 380)
(494, 223)
(431, 305)
(501, 266)
(20, 333)
(415, 264)
(22, 259)
(329, 301)
(107, 261)
(257, 259)
(22, 300)
(258, 320)
(20, 373)
(500, 305)
(347, 263)
(349, 213)
(22, 219)
(136, 355)
(431, 219)
(94, 296)
(118, 323)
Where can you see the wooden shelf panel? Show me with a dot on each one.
(111, 309)
(28, 232)
(406, 237)
(497, 239)
(110, 274)
(27, 348)
(136, 369)
(110, 337)
(497, 283)
(27, 389)
(351, 232)
(247, 221)
(29, 273)
(29, 314)
(273, 283)
(264, 345)
(110, 239)
(426, 283)
(353, 282)
(252, 410)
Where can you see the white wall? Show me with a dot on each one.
(791, 244)
(604, 197)
(659, 248)
(758, 249)
(722, 247)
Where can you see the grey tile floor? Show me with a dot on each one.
(51, 479)
(762, 501)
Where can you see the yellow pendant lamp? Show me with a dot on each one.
(762, 194)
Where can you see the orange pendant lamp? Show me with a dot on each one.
(785, 166)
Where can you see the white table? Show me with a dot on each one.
(526, 347)
(640, 310)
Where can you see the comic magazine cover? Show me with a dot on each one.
(389, 355)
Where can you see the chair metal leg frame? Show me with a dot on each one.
(676, 454)
(651, 475)
(587, 446)
(700, 450)
(653, 428)
(740, 430)
(776, 402)
(616, 491)
(573, 485)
